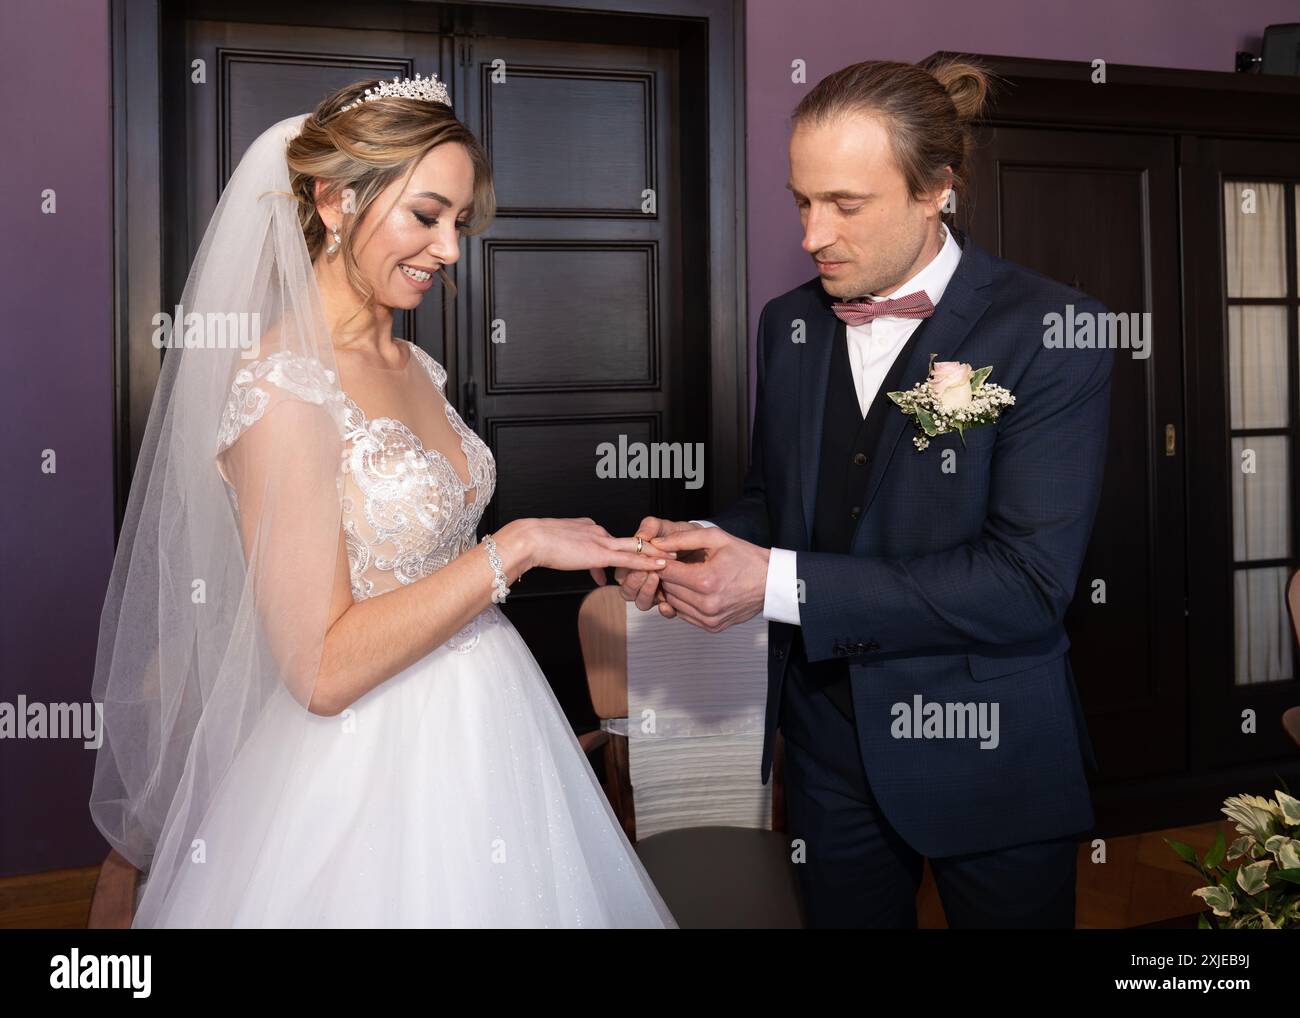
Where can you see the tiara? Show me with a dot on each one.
(429, 89)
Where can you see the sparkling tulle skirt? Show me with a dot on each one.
(452, 795)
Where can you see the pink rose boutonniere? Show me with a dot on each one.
(952, 398)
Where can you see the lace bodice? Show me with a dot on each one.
(405, 510)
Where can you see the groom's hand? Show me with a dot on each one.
(643, 587)
(726, 588)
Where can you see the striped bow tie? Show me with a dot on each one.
(912, 305)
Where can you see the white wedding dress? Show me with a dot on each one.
(453, 794)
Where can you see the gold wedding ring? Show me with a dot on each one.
(638, 544)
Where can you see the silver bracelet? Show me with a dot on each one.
(499, 588)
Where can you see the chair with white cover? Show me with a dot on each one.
(684, 709)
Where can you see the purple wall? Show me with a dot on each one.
(57, 385)
(57, 389)
(830, 34)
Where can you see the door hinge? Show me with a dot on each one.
(1171, 439)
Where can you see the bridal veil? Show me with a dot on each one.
(213, 609)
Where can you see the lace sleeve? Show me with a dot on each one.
(278, 376)
(280, 455)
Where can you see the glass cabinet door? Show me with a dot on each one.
(1242, 336)
(1258, 232)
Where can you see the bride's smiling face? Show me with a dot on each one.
(413, 227)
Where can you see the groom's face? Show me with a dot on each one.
(863, 229)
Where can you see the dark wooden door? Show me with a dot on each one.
(1097, 211)
(576, 331)
(1243, 332)
(582, 316)
(576, 336)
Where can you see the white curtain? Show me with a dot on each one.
(1260, 506)
(1263, 628)
(1257, 376)
(1254, 235)
(1258, 386)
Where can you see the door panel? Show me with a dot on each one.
(1094, 211)
(575, 336)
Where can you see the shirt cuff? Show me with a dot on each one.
(781, 599)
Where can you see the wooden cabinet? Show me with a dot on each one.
(1179, 622)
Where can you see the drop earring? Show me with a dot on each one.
(335, 242)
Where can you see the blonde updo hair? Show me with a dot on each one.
(366, 148)
(928, 111)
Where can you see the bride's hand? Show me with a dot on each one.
(572, 544)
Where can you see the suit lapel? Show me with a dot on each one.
(964, 300)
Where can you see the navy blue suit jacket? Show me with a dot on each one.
(957, 582)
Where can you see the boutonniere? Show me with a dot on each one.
(952, 398)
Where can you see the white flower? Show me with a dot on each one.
(951, 383)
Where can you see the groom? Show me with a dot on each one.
(917, 658)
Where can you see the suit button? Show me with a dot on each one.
(778, 652)
(860, 458)
(853, 513)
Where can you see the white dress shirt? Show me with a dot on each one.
(873, 347)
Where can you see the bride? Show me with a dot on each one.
(315, 713)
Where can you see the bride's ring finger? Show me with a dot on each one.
(637, 545)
